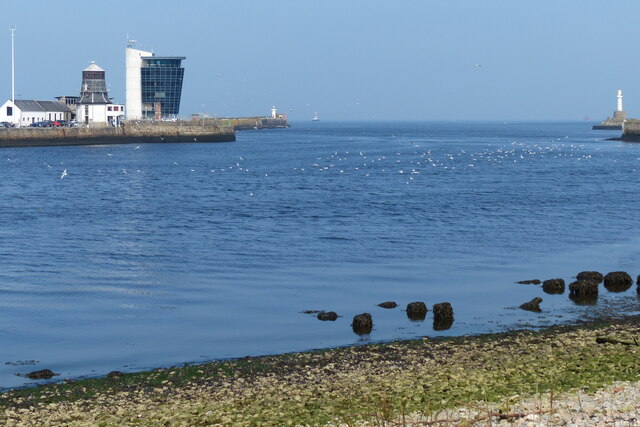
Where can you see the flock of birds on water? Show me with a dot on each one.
(408, 162)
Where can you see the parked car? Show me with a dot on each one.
(6, 125)
(42, 124)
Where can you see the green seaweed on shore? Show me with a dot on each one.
(379, 382)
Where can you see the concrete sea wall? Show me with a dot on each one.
(129, 133)
(248, 123)
(631, 130)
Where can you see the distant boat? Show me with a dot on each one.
(315, 118)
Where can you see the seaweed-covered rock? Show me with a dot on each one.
(327, 315)
(617, 281)
(533, 305)
(530, 282)
(594, 276)
(416, 310)
(583, 288)
(442, 311)
(638, 281)
(114, 375)
(388, 304)
(43, 374)
(442, 316)
(553, 286)
(362, 324)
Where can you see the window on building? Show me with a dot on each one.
(9, 111)
(109, 108)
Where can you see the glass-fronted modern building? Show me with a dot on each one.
(161, 86)
(154, 85)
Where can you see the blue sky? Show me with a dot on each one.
(347, 60)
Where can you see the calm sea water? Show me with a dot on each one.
(159, 254)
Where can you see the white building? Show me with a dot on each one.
(94, 106)
(133, 68)
(100, 114)
(25, 112)
(154, 85)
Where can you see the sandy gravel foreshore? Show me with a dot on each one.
(583, 375)
(615, 405)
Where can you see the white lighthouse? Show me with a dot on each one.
(619, 114)
(274, 112)
(619, 100)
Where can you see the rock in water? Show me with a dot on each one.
(416, 310)
(362, 324)
(327, 315)
(533, 305)
(583, 289)
(442, 316)
(388, 304)
(530, 282)
(594, 276)
(553, 286)
(114, 375)
(583, 292)
(617, 281)
(43, 374)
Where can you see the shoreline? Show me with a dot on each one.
(347, 384)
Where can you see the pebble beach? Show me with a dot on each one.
(572, 375)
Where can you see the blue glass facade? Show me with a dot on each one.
(161, 86)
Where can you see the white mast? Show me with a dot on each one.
(13, 69)
(619, 100)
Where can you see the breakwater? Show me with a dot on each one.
(248, 123)
(631, 131)
(134, 132)
(609, 124)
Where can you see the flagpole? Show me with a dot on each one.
(13, 69)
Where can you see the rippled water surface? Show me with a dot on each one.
(159, 254)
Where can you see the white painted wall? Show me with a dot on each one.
(133, 98)
(28, 117)
(25, 118)
(14, 118)
(99, 114)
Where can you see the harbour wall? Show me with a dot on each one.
(248, 123)
(631, 130)
(129, 133)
